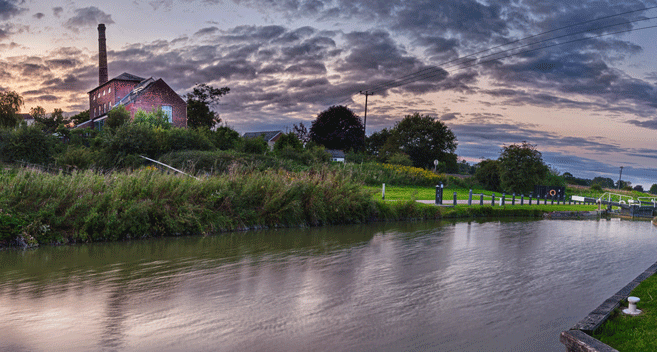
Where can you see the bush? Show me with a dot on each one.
(182, 139)
(78, 157)
(254, 145)
(596, 187)
(224, 138)
(27, 144)
(129, 139)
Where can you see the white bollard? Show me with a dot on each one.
(631, 310)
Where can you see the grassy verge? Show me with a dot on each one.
(639, 333)
(37, 207)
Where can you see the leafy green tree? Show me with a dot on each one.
(653, 188)
(426, 139)
(638, 188)
(521, 168)
(254, 145)
(223, 137)
(604, 182)
(487, 174)
(200, 103)
(288, 140)
(302, 133)
(375, 142)
(117, 117)
(10, 105)
(155, 118)
(81, 117)
(48, 124)
(338, 128)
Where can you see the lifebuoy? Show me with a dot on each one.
(553, 192)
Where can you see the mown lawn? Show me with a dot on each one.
(634, 333)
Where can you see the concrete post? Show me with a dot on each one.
(470, 197)
(383, 192)
(481, 199)
(522, 199)
(492, 200)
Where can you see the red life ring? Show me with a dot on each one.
(553, 192)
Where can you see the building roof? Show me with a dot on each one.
(135, 92)
(122, 77)
(266, 135)
(128, 77)
(335, 153)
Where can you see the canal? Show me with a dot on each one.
(425, 286)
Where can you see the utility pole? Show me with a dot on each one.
(366, 93)
(619, 177)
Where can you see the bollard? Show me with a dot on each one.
(383, 192)
(530, 199)
(545, 201)
(492, 200)
(454, 198)
(503, 196)
(631, 309)
(481, 199)
(513, 199)
(522, 199)
(552, 203)
(470, 197)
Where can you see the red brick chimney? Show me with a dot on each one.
(102, 55)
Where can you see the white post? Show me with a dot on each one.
(383, 192)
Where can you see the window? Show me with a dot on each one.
(103, 93)
(168, 112)
(98, 95)
(109, 90)
(98, 125)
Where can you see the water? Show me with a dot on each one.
(477, 286)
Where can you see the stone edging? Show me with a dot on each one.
(573, 214)
(577, 339)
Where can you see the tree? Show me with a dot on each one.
(338, 128)
(521, 168)
(426, 139)
(375, 142)
(155, 118)
(48, 124)
(638, 188)
(10, 105)
(199, 105)
(81, 117)
(117, 117)
(604, 182)
(302, 133)
(653, 188)
(487, 174)
(288, 140)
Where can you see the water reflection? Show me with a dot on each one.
(468, 286)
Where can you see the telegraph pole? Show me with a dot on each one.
(366, 93)
(619, 177)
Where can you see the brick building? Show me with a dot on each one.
(131, 91)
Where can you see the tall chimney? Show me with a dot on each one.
(102, 55)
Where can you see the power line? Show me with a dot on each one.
(441, 69)
(434, 71)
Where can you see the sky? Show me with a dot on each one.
(559, 76)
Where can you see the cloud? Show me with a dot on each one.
(57, 11)
(88, 17)
(9, 9)
(38, 15)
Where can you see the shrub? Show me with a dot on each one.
(223, 138)
(596, 187)
(254, 145)
(182, 139)
(77, 156)
(28, 144)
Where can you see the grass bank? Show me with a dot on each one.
(39, 208)
(639, 333)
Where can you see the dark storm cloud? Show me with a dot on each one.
(57, 11)
(38, 15)
(88, 17)
(48, 98)
(207, 30)
(10, 8)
